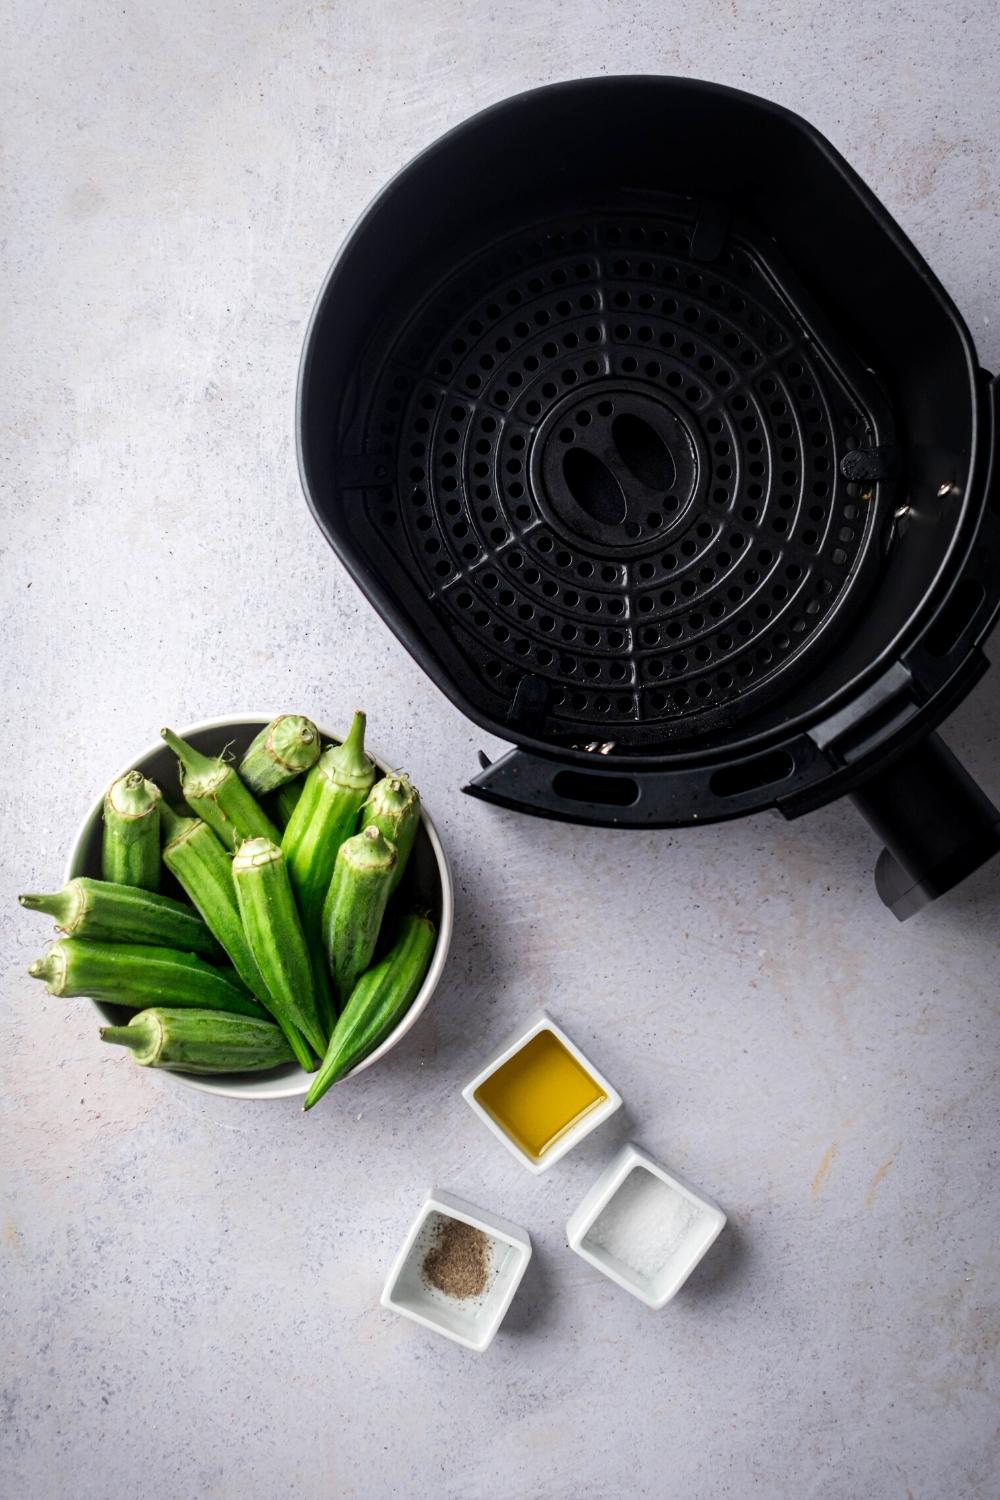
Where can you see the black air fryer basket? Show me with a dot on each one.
(658, 445)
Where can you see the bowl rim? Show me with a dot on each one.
(298, 1084)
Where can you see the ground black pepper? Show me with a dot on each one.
(457, 1262)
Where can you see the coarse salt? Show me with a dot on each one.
(644, 1224)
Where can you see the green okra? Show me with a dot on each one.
(354, 906)
(274, 932)
(201, 1041)
(102, 910)
(279, 805)
(130, 848)
(137, 975)
(379, 1000)
(326, 815)
(214, 791)
(199, 863)
(286, 748)
(393, 806)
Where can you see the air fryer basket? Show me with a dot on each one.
(661, 449)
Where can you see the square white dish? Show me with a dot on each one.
(470, 1321)
(647, 1233)
(576, 1133)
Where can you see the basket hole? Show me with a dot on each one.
(607, 791)
(594, 488)
(749, 775)
(643, 452)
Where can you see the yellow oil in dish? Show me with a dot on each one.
(539, 1094)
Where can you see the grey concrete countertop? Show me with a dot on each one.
(190, 1286)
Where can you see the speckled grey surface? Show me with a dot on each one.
(190, 1286)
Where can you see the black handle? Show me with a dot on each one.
(529, 783)
(616, 796)
(937, 824)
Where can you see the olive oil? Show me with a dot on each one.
(539, 1094)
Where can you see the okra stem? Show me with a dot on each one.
(194, 763)
(353, 744)
(124, 1036)
(214, 792)
(59, 904)
(51, 967)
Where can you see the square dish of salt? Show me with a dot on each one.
(643, 1227)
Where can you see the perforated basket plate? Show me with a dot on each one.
(601, 475)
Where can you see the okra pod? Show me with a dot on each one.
(199, 863)
(102, 911)
(393, 806)
(288, 747)
(130, 852)
(280, 805)
(136, 975)
(201, 1041)
(380, 998)
(214, 791)
(324, 817)
(274, 932)
(354, 905)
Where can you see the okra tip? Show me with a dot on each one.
(40, 903)
(355, 737)
(123, 1036)
(132, 797)
(252, 853)
(321, 1085)
(48, 967)
(191, 759)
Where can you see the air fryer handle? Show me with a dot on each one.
(613, 796)
(937, 824)
(548, 788)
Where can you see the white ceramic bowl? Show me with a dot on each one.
(427, 881)
(472, 1322)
